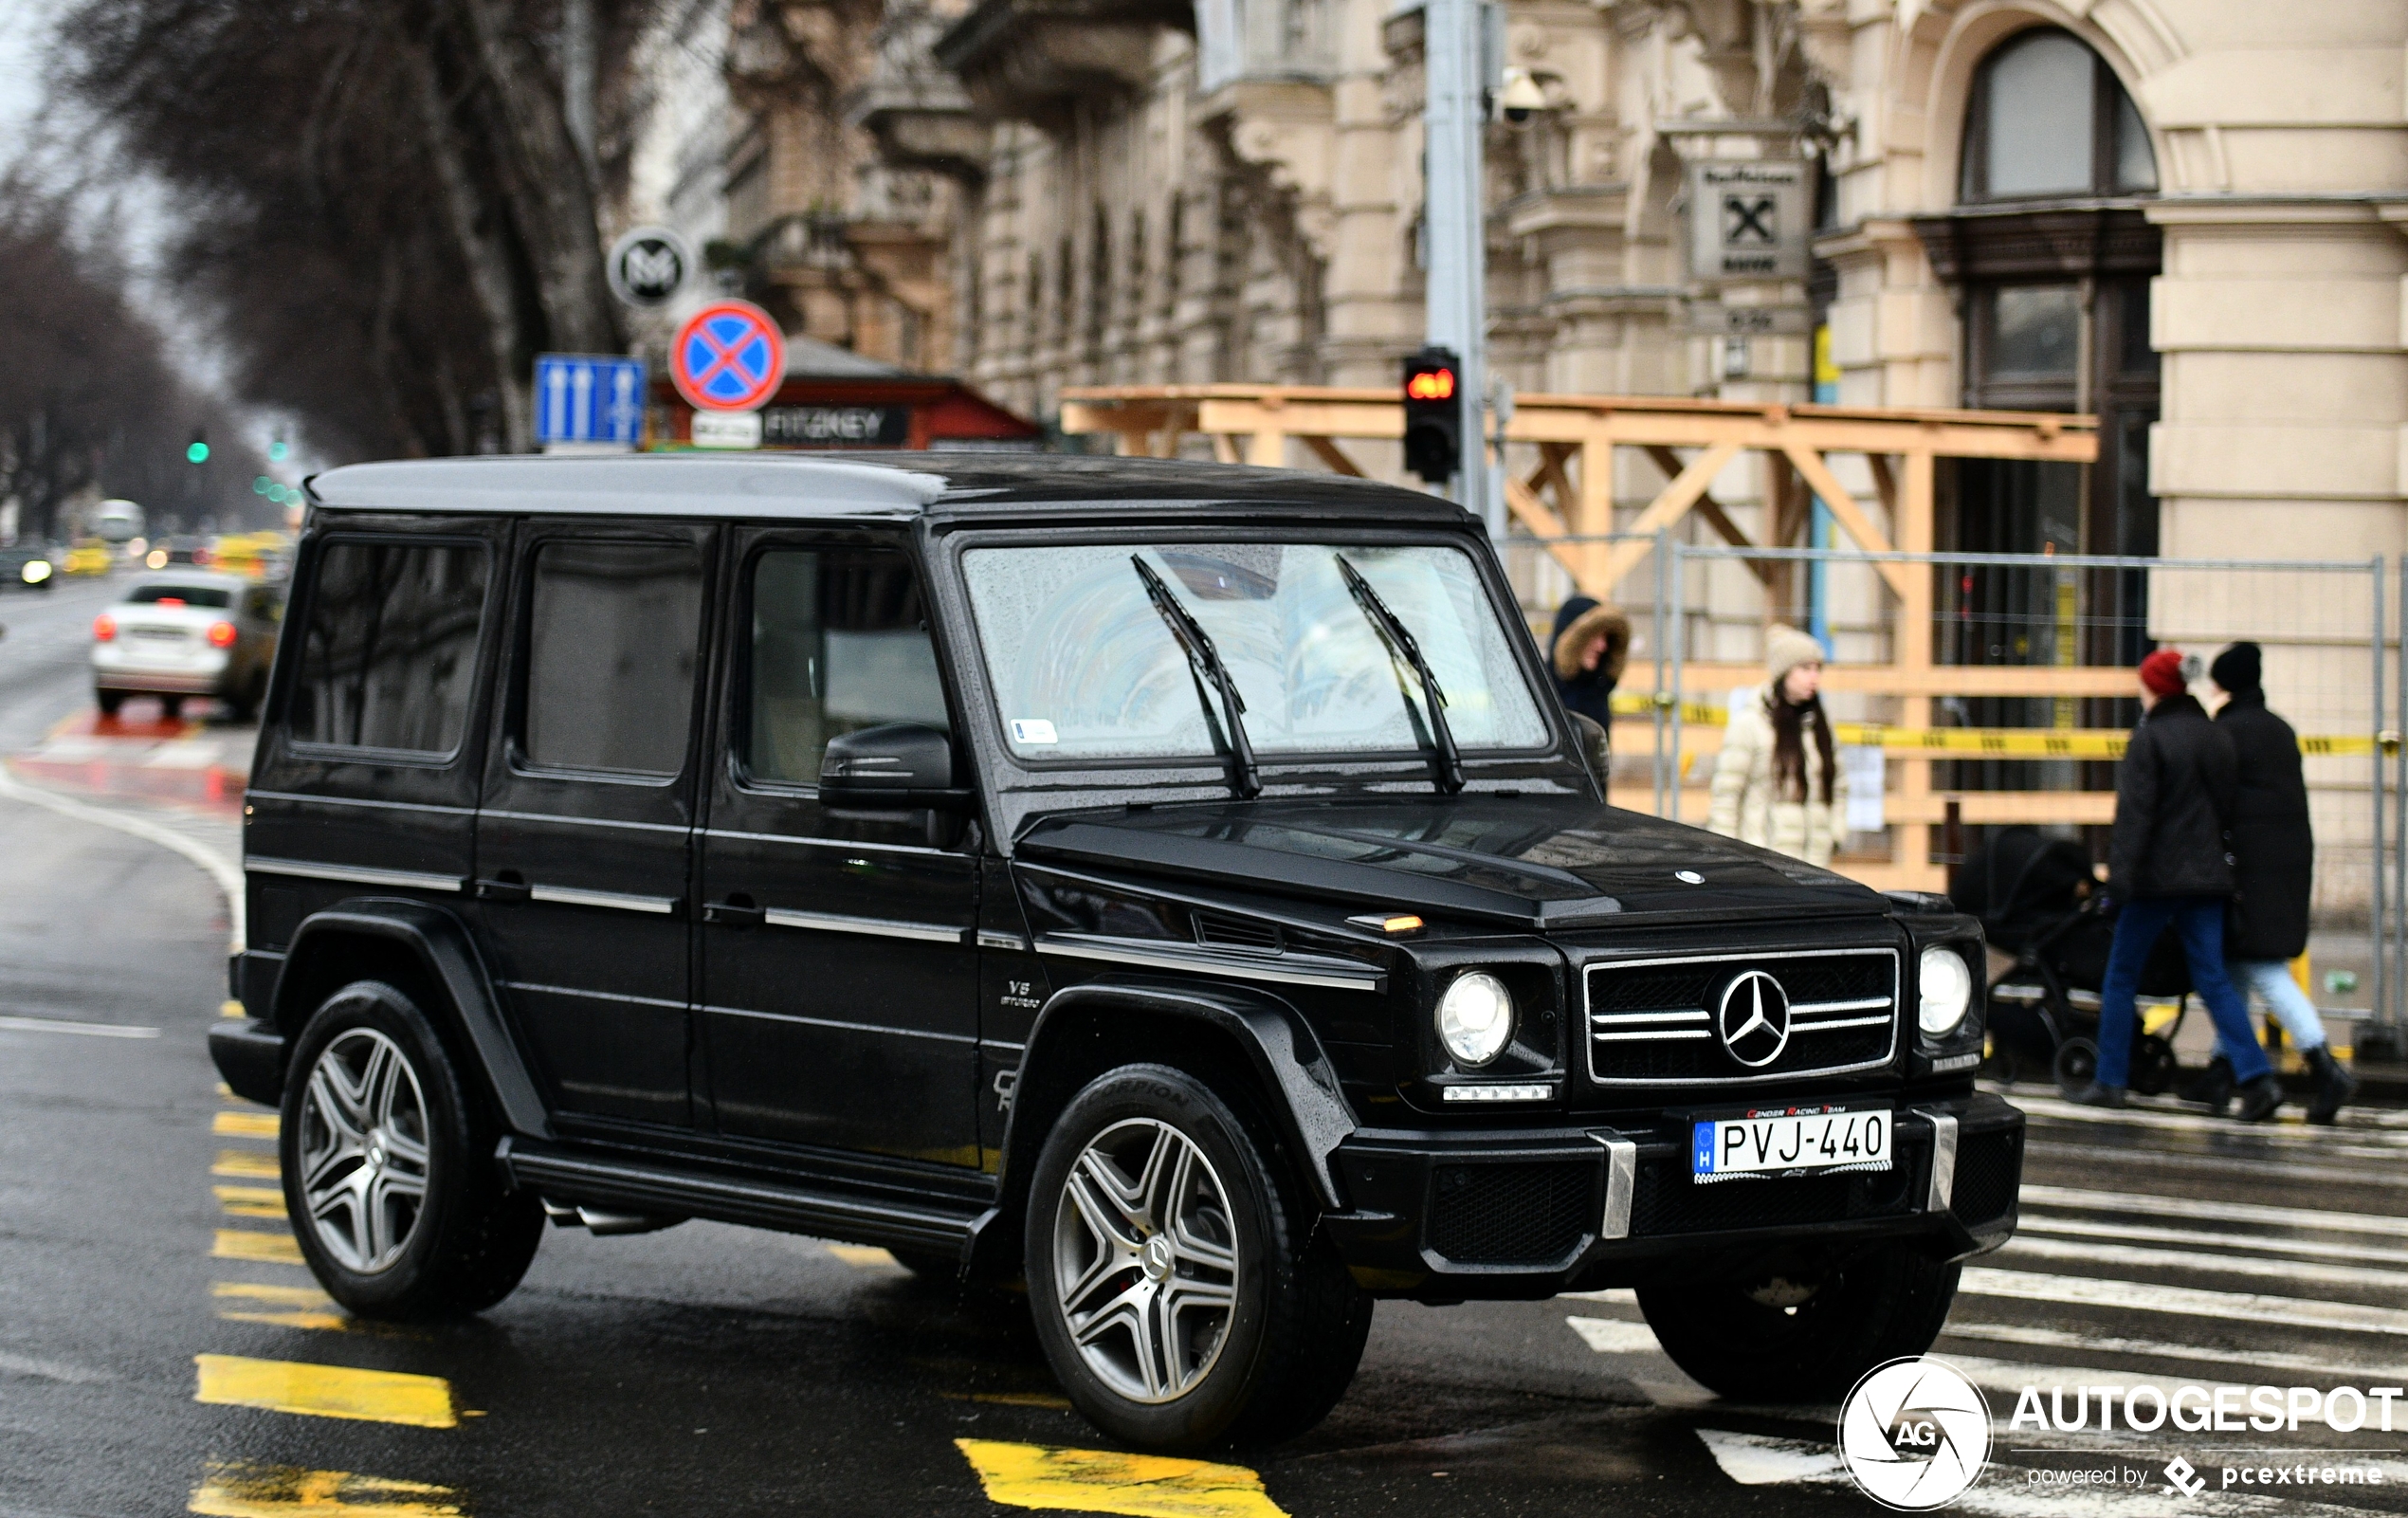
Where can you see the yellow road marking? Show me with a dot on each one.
(230, 1009)
(283, 1307)
(238, 1489)
(1011, 1398)
(862, 1255)
(231, 1125)
(245, 1164)
(325, 1391)
(251, 1244)
(251, 1201)
(1142, 1486)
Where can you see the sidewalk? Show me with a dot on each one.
(143, 757)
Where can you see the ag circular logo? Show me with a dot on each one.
(1754, 1018)
(1914, 1433)
(647, 266)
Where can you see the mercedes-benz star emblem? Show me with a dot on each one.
(1754, 1018)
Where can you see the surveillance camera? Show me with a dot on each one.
(1521, 98)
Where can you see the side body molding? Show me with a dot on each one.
(441, 943)
(1281, 1048)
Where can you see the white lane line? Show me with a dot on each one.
(2140, 1256)
(1620, 1295)
(1616, 1336)
(2142, 1232)
(2090, 1157)
(224, 871)
(96, 1030)
(2325, 1366)
(2289, 1136)
(1762, 1459)
(2150, 1204)
(2234, 1306)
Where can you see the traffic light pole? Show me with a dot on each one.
(1454, 217)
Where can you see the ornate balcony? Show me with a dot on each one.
(1028, 59)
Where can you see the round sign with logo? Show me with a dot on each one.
(728, 356)
(648, 265)
(1914, 1433)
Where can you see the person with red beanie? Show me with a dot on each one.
(2170, 865)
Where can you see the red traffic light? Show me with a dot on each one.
(1431, 384)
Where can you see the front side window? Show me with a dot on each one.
(389, 647)
(1085, 665)
(840, 642)
(610, 655)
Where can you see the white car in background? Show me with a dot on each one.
(187, 634)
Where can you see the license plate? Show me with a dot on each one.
(1790, 1142)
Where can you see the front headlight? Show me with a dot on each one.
(1946, 986)
(36, 571)
(1475, 1018)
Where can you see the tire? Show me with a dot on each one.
(110, 701)
(1783, 1340)
(2076, 1065)
(1272, 1325)
(245, 707)
(370, 1058)
(170, 707)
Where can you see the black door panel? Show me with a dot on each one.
(584, 845)
(838, 955)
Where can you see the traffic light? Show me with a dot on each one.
(1433, 416)
(278, 450)
(198, 451)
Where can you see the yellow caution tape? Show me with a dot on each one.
(1994, 742)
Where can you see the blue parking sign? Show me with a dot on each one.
(589, 398)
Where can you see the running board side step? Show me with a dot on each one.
(613, 1188)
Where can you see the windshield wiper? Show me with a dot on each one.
(1445, 759)
(1205, 661)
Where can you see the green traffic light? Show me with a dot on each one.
(198, 452)
(261, 486)
(277, 451)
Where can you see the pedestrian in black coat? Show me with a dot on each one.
(2274, 864)
(1591, 642)
(2169, 865)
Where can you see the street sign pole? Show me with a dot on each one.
(1453, 119)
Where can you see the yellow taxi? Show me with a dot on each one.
(89, 556)
(254, 554)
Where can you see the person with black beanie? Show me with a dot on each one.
(2274, 864)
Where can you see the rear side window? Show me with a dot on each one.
(389, 651)
(840, 642)
(610, 656)
(214, 598)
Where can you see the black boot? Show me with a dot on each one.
(2211, 1088)
(2334, 1084)
(2096, 1095)
(2259, 1098)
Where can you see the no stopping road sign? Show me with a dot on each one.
(728, 356)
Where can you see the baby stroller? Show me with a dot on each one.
(2040, 907)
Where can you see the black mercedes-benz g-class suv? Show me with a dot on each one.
(1172, 886)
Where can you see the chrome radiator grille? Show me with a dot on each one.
(1663, 1022)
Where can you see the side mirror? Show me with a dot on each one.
(893, 767)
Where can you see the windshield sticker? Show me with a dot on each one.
(1033, 730)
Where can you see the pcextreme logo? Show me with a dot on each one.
(1914, 1433)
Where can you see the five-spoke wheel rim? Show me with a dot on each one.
(1145, 1264)
(363, 1150)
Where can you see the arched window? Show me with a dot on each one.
(2049, 119)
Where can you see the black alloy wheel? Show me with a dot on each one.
(389, 1176)
(1802, 1338)
(1182, 1292)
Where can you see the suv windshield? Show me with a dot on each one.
(1085, 668)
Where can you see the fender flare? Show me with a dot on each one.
(443, 946)
(1287, 1059)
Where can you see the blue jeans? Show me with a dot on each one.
(2200, 920)
(2271, 980)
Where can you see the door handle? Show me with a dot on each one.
(509, 886)
(737, 911)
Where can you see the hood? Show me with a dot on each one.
(1531, 861)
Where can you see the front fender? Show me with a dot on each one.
(1286, 1056)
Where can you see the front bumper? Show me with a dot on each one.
(1450, 1217)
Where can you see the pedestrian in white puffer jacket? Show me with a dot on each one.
(1777, 783)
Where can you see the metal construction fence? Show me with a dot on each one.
(1969, 692)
